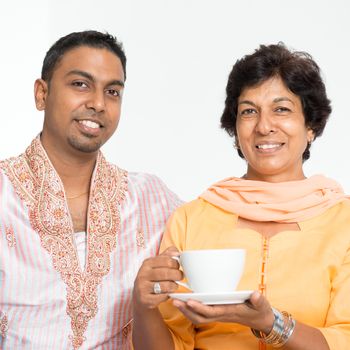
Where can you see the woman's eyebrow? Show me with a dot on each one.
(247, 102)
(280, 99)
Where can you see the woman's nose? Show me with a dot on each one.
(265, 124)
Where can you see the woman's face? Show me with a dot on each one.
(271, 132)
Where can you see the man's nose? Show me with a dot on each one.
(96, 101)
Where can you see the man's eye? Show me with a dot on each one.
(80, 84)
(113, 92)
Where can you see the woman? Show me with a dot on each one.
(296, 230)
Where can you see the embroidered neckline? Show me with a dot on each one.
(39, 186)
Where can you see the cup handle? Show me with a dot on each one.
(176, 258)
(183, 284)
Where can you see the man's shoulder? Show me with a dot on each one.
(12, 159)
(145, 181)
(151, 186)
(8, 163)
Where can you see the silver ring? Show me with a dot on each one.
(156, 288)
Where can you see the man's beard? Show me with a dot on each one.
(89, 146)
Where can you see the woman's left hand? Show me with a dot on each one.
(255, 313)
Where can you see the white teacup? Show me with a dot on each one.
(212, 270)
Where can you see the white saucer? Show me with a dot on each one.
(237, 297)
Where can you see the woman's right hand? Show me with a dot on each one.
(162, 269)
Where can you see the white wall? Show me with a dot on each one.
(179, 56)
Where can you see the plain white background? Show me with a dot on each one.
(179, 56)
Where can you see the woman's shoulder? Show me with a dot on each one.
(341, 208)
(201, 208)
(342, 212)
(335, 219)
(197, 204)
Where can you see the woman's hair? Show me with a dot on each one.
(298, 71)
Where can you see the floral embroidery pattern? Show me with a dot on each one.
(140, 238)
(10, 237)
(39, 186)
(3, 324)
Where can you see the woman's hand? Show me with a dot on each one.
(255, 313)
(149, 330)
(162, 269)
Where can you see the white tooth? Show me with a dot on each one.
(90, 124)
(268, 146)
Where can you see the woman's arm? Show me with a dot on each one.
(256, 314)
(306, 338)
(149, 330)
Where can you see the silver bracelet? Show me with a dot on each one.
(282, 330)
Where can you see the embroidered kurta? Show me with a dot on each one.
(307, 273)
(48, 299)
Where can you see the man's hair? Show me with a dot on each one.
(298, 71)
(71, 41)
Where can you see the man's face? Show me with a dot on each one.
(82, 102)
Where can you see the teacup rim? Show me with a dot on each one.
(211, 250)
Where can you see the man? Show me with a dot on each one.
(74, 228)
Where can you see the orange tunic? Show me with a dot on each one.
(307, 273)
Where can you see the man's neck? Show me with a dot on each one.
(74, 171)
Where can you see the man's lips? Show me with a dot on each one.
(90, 124)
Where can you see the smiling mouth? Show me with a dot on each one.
(90, 124)
(269, 146)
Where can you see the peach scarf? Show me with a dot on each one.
(288, 202)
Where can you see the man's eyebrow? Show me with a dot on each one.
(91, 78)
(81, 73)
(117, 82)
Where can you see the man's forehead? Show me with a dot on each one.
(95, 61)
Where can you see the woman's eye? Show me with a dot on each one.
(282, 109)
(248, 111)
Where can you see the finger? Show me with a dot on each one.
(171, 251)
(146, 297)
(258, 301)
(237, 313)
(164, 274)
(161, 261)
(165, 287)
(216, 311)
(190, 313)
(178, 303)
(151, 301)
(201, 309)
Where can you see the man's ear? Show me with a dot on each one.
(40, 93)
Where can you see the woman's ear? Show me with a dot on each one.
(40, 93)
(310, 135)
